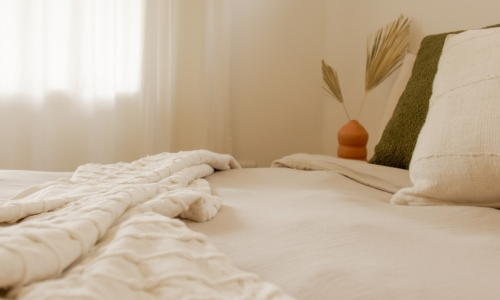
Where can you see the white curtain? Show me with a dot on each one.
(111, 80)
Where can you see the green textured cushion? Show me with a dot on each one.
(396, 146)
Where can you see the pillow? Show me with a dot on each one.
(457, 156)
(398, 140)
(398, 88)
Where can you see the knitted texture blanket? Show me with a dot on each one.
(109, 233)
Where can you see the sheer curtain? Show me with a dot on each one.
(111, 80)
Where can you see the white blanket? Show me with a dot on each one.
(108, 233)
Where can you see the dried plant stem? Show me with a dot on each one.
(345, 109)
(362, 103)
(343, 104)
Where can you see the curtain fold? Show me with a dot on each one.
(111, 80)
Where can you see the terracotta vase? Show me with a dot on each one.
(352, 141)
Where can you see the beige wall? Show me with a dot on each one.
(278, 107)
(276, 52)
(348, 22)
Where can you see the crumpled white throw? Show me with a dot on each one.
(108, 233)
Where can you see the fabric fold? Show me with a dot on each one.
(383, 178)
(63, 220)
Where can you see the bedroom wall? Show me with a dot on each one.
(276, 52)
(348, 22)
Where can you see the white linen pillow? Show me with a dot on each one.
(457, 157)
(398, 89)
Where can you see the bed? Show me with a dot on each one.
(194, 225)
(320, 227)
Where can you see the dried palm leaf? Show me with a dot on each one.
(332, 81)
(387, 51)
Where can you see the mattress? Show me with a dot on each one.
(328, 231)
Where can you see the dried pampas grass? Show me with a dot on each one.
(384, 54)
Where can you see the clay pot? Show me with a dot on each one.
(352, 141)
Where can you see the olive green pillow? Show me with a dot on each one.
(396, 146)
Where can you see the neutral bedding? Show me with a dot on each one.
(321, 235)
(109, 232)
(329, 232)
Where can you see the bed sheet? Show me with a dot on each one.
(320, 235)
(15, 181)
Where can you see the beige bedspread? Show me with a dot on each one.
(320, 235)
